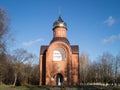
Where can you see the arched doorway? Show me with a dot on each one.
(59, 79)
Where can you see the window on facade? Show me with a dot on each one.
(58, 54)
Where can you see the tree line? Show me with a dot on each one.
(16, 68)
(104, 70)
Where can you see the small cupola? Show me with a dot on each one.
(59, 23)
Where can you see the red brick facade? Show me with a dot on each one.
(59, 62)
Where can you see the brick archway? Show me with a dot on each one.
(52, 67)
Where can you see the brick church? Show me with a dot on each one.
(59, 61)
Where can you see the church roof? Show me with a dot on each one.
(63, 39)
(43, 49)
(75, 49)
(59, 23)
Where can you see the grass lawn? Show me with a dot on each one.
(26, 87)
(32, 87)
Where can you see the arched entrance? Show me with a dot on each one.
(59, 79)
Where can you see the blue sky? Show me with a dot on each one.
(94, 25)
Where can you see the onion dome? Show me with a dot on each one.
(59, 23)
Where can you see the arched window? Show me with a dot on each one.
(58, 54)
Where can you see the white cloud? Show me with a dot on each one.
(111, 39)
(110, 21)
(29, 43)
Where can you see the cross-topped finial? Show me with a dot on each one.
(59, 11)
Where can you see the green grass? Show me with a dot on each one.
(33, 87)
(26, 87)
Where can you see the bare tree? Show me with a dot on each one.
(106, 67)
(35, 74)
(84, 65)
(116, 69)
(4, 34)
(21, 56)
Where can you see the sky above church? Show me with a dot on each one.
(94, 25)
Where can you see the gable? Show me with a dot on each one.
(43, 49)
(75, 49)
